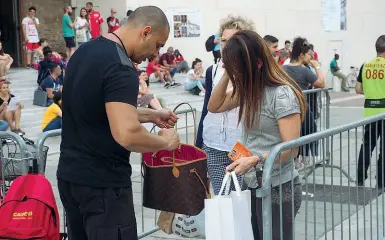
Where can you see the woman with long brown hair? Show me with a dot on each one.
(271, 108)
(82, 27)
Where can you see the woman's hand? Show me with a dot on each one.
(314, 63)
(243, 165)
(21, 105)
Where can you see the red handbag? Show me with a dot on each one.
(176, 181)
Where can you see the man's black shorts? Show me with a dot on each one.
(70, 42)
(98, 213)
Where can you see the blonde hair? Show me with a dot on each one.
(236, 22)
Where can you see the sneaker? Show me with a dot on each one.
(166, 85)
(28, 66)
(202, 94)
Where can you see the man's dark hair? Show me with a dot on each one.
(270, 39)
(56, 98)
(140, 72)
(336, 55)
(287, 42)
(149, 16)
(46, 51)
(380, 44)
(311, 46)
(90, 3)
(31, 8)
(129, 13)
(52, 66)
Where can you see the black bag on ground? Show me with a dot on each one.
(210, 45)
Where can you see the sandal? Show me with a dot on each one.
(18, 131)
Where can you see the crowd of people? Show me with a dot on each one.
(257, 100)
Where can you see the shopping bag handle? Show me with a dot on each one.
(225, 185)
(193, 170)
(227, 182)
(236, 184)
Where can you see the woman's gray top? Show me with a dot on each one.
(278, 102)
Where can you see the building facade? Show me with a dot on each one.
(283, 19)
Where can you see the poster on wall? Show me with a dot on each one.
(186, 23)
(334, 15)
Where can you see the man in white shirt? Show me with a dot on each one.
(31, 35)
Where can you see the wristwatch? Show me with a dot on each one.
(318, 68)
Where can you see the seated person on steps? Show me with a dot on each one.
(167, 60)
(157, 72)
(52, 115)
(182, 65)
(46, 64)
(5, 62)
(145, 98)
(52, 83)
(12, 113)
(195, 77)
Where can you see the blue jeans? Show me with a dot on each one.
(188, 86)
(3, 125)
(53, 125)
(173, 71)
(49, 102)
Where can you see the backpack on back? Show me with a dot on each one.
(210, 45)
(29, 210)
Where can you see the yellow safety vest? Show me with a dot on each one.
(373, 82)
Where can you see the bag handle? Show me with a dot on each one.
(236, 184)
(193, 170)
(225, 184)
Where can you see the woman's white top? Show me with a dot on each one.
(191, 76)
(80, 22)
(221, 130)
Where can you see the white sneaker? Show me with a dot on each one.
(202, 94)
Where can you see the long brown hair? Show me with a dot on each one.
(242, 55)
(80, 13)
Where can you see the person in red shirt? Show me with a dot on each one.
(95, 19)
(157, 72)
(167, 60)
(182, 65)
(112, 21)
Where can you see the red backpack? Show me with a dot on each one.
(29, 210)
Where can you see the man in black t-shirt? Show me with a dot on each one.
(101, 126)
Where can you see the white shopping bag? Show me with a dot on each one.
(189, 226)
(228, 217)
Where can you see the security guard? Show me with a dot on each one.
(371, 83)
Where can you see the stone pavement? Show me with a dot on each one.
(311, 220)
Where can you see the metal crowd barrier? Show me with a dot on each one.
(13, 164)
(327, 205)
(186, 136)
(317, 119)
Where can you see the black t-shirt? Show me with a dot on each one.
(359, 78)
(98, 72)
